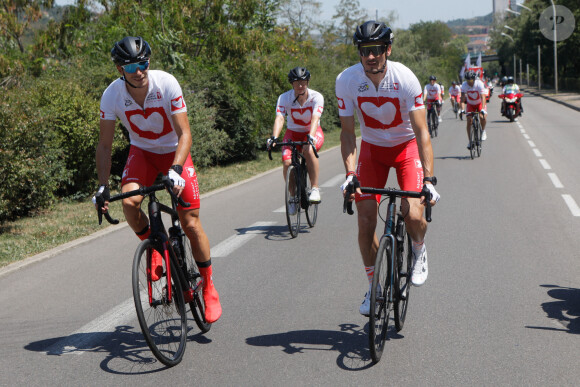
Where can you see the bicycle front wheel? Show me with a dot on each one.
(161, 316)
(472, 141)
(197, 305)
(478, 138)
(293, 200)
(435, 122)
(404, 267)
(311, 209)
(380, 300)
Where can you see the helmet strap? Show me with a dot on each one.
(381, 70)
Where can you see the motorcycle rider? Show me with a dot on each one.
(513, 88)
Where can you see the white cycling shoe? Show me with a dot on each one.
(314, 196)
(420, 268)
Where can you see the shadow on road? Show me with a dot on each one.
(125, 349)
(565, 310)
(351, 342)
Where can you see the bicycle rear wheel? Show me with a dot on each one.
(435, 122)
(293, 201)
(403, 270)
(162, 320)
(429, 124)
(197, 306)
(472, 141)
(380, 301)
(311, 209)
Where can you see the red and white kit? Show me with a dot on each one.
(383, 114)
(151, 132)
(300, 117)
(455, 93)
(433, 92)
(474, 95)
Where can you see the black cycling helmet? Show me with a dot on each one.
(454, 83)
(432, 78)
(373, 31)
(510, 79)
(298, 74)
(130, 50)
(470, 75)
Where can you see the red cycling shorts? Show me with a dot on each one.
(456, 98)
(375, 161)
(291, 135)
(142, 167)
(473, 108)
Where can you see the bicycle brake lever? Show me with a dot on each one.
(428, 196)
(347, 204)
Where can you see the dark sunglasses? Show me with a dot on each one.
(132, 67)
(375, 50)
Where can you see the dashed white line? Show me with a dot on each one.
(557, 183)
(545, 164)
(531, 143)
(235, 241)
(526, 136)
(574, 209)
(537, 152)
(522, 130)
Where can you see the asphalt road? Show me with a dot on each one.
(501, 305)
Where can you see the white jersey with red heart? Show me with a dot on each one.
(300, 116)
(150, 127)
(383, 112)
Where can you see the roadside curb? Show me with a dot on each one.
(577, 108)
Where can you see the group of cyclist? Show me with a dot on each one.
(386, 96)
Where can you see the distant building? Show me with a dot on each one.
(499, 7)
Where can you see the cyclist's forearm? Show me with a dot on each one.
(103, 158)
(278, 125)
(348, 143)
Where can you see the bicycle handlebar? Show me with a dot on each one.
(166, 183)
(292, 144)
(347, 204)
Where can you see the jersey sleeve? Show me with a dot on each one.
(280, 108)
(107, 109)
(344, 97)
(318, 107)
(175, 95)
(413, 95)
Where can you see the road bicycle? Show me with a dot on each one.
(391, 283)
(455, 105)
(475, 131)
(298, 188)
(432, 119)
(160, 304)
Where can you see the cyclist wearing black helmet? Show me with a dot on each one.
(473, 92)
(150, 105)
(303, 106)
(387, 99)
(433, 93)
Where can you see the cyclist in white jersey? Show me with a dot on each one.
(303, 106)
(455, 95)
(387, 99)
(433, 93)
(150, 105)
(473, 93)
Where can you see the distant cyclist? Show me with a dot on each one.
(433, 93)
(473, 93)
(150, 105)
(386, 97)
(455, 95)
(303, 106)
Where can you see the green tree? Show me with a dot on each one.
(300, 16)
(16, 16)
(349, 15)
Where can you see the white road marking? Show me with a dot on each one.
(526, 136)
(545, 164)
(574, 209)
(531, 143)
(234, 242)
(335, 182)
(537, 152)
(91, 334)
(557, 183)
(281, 209)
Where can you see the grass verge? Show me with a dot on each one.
(70, 220)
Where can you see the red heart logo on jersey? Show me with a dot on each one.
(151, 123)
(301, 117)
(380, 112)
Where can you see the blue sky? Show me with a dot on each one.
(408, 11)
